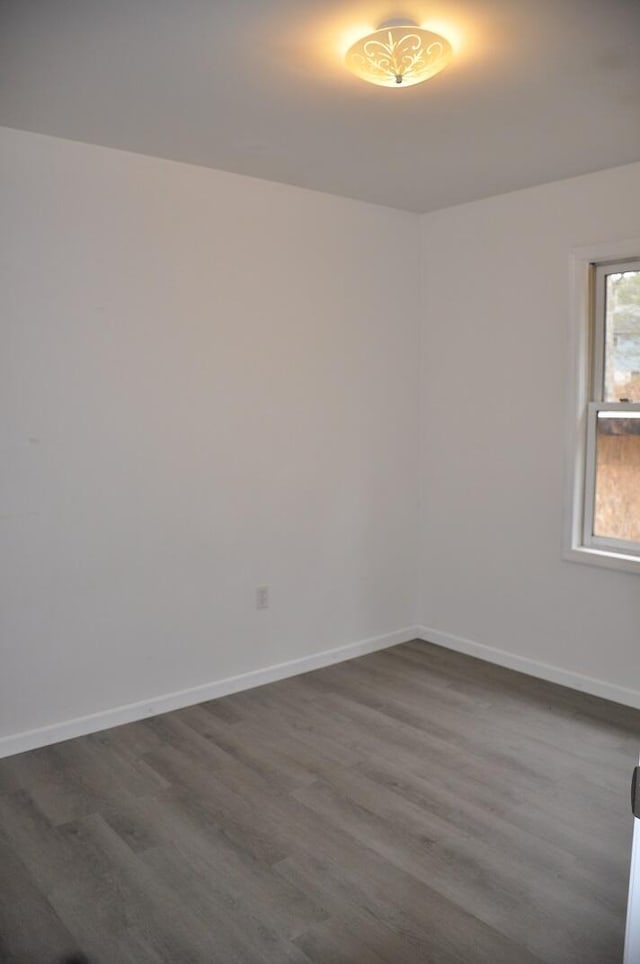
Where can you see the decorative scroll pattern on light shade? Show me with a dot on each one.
(399, 56)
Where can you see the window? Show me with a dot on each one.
(606, 486)
(612, 470)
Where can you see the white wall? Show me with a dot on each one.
(495, 381)
(208, 383)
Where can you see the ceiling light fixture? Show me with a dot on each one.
(398, 54)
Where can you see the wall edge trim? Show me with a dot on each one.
(533, 667)
(165, 702)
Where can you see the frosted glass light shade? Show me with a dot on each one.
(398, 56)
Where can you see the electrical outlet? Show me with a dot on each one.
(262, 597)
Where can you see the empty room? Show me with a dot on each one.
(319, 482)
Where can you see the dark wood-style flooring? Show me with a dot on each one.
(411, 806)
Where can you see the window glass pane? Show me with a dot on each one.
(622, 333)
(617, 502)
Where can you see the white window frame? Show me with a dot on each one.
(586, 340)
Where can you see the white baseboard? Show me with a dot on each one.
(117, 715)
(533, 667)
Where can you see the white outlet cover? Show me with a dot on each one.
(262, 597)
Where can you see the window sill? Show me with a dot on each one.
(603, 558)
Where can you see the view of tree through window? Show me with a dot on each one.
(622, 327)
(617, 470)
(617, 497)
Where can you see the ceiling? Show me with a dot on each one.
(538, 90)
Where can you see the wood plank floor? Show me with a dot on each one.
(411, 806)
